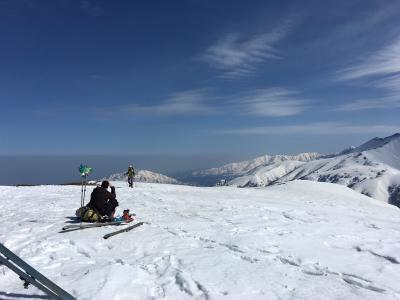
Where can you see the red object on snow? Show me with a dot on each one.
(126, 216)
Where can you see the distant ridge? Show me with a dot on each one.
(248, 165)
(373, 169)
(144, 176)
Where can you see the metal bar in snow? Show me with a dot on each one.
(31, 275)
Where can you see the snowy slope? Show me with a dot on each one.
(376, 143)
(387, 153)
(356, 171)
(301, 240)
(144, 176)
(242, 168)
(372, 169)
(266, 175)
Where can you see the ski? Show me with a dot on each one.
(91, 225)
(31, 276)
(122, 230)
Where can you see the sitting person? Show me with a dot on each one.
(102, 201)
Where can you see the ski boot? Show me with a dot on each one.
(127, 216)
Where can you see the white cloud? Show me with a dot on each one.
(91, 8)
(355, 32)
(391, 83)
(314, 129)
(272, 102)
(380, 70)
(186, 102)
(388, 102)
(237, 56)
(382, 63)
(191, 102)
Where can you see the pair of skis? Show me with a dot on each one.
(73, 227)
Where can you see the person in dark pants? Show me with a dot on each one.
(103, 201)
(131, 174)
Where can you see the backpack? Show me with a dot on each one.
(91, 215)
(87, 214)
(80, 212)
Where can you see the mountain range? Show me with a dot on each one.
(372, 169)
(144, 176)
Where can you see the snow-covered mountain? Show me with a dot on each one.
(373, 169)
(244, 168)
(265, 175)
(301, 240)
(144, 176)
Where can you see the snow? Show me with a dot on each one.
(242, 168)
(372, 169)
(351, 170)
(300, 240)
(374, 172)
(376, 143)
(388, 154)
(266, 175)
(144, 176)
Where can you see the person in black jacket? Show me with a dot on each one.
(131, 174)
(103, 201)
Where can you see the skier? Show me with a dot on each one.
(131, 174)
(102, 201)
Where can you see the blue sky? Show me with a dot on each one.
(242, 78)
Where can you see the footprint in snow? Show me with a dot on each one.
(270, 250)
(373, 226)
(314, 269)
(290, 261)
(361, 282)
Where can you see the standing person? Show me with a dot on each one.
(131, 174)
(103, 201)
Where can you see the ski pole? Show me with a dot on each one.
(84, 191)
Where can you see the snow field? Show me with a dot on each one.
(300, 240)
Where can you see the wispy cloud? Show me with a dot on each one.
(92, 8)
(390, 83)
(238, 56)
(272, 102)
(269, 102)
(387, 102)
(380, 70)
(314, 129)
(354, 32)
(191, 102)
(385, 62)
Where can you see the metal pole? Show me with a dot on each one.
(30, 275)
(84, 191)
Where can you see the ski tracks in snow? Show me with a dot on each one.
(170, 277)
(272, 255)
(274, 243)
